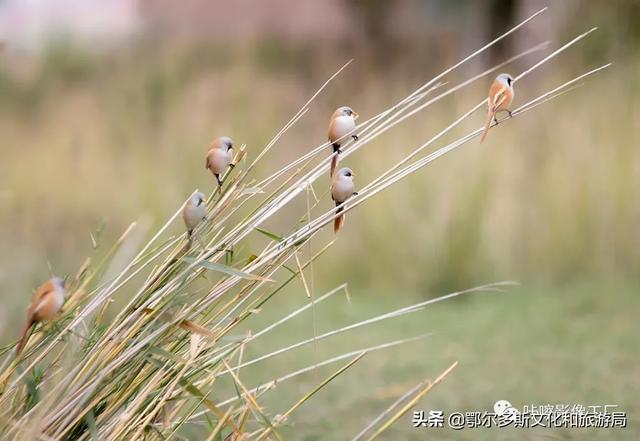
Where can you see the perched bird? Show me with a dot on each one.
(341, 190)
(219, 157)
(46, 303)
(343, 122)
(500, 98)
(194, 211)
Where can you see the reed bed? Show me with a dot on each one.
(154, 368)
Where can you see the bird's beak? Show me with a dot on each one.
(355, 115)
(353, 175)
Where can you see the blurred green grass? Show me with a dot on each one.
(529, 345)
(548, 198)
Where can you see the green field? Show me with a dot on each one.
(531, 345)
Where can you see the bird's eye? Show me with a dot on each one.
(509, 80)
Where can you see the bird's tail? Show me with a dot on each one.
(338, 222)
(334, 160)
(23, 337)
(185, 248)
(487, 125)
(334, 165)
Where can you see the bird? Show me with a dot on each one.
(343, 122)
(501, 95)
(45, 305)
(194, 211)
(342, 189)
(219, 157)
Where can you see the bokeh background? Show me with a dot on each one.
(107, 107)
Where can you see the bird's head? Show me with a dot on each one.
(505, 79)
(345, 111)
(198, 198)
(346, 173)
(58, 284)
(223, 143)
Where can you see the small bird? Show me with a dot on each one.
(343, 122)
(341, 190)
(194, 211)
(219, 157)
(45, 305)
(501, 95)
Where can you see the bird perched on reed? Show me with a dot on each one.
(45, 305)
(219, 157)
(194, 211)
(501, 95)
(343, 123)
(342, 189)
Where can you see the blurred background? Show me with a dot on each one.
(107, 107)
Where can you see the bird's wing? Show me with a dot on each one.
(494, 92)
(39, 298)
(332, 136)
(497, 97)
